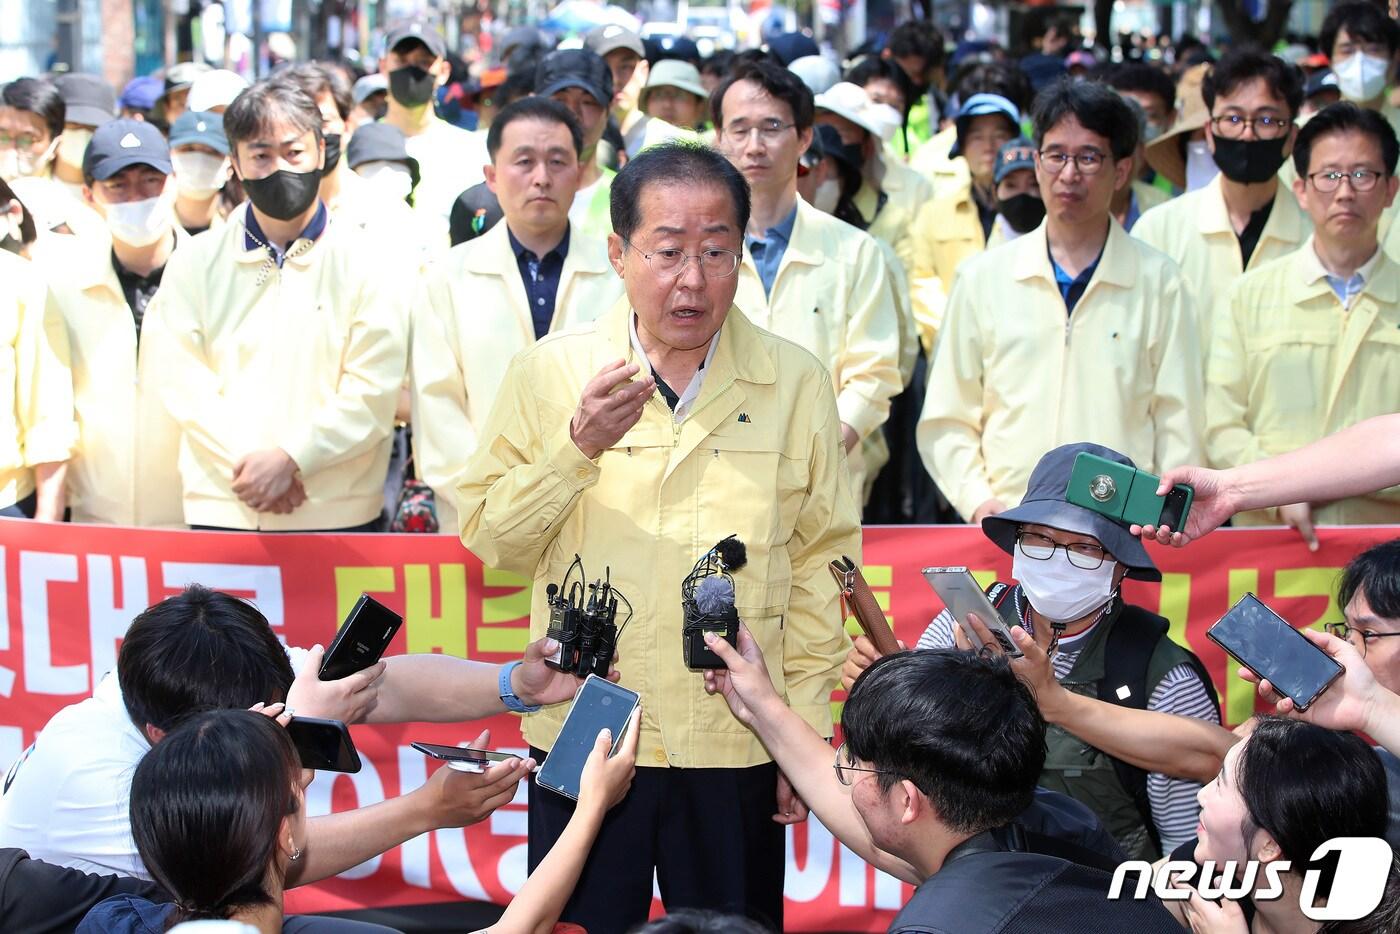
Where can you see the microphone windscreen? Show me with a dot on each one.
(714, 595)
(732, 553)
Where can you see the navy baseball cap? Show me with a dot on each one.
(88, 100)
(416, 32)
(575, 68)
(142, 93)
(789, 47)
(123, 142)
(1012, 157)
(204, 128)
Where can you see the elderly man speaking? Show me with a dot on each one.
(638, 442)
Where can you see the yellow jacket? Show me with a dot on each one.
(36, 388)
(124, 471)
(931, 160)
(906, 191)
(309, 359)
(1194, 229)
(946, 231)
(470, 320)
(1289, 365)
(1012, 377)
(759, 455)
(833, 295)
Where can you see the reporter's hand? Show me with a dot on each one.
(608, 407)
(744, 682)
(456, 799)
(861, 656)
(1208, 917)
(1212, 504)
(606, 780)
(991, 507)
(278, 711)
(1349, 703)
(1299, 516)
(348, 700)
(536, 684)
(791, 808)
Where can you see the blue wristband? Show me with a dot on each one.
(513, 703)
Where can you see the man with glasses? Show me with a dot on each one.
(1244, 217)
(1310, 343)
(637, 442)
(805, 275)
(1074, 331)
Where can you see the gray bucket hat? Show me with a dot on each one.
(1045, 504)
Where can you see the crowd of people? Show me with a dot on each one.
(648, 301)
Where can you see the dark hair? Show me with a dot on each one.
(40, 97)
(1345, 117)
(1145, 79)
(1362, 20)
(718, 64)
(207, 804)
(994, 78)
(964, 729)
(543, 109)
(1098, 109)
(1247, 63)
(921, 38)
(518, 84)
(257, 108)
(873, 67)
(28, 233)
(1375, 573)
(1279, 775)
(776, 81)
(676, 162)
(697, 921)
(317, 78)
(201, 650)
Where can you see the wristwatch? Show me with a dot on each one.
(513, 703)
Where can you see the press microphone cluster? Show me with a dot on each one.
(583, 620)
(707, 601)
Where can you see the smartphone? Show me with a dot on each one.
(362, 639)
(961, 594)
(1126, 493)
(1264, 642)
(599, 703)
(463, 755)
(324, 745)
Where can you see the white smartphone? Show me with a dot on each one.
(962, 595)
(599, 703)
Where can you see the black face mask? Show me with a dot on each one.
(283, 195)
(332, 152)
(1249, 162)
(411, 86)
(1023, 212)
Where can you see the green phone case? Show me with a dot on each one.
(1116, 490)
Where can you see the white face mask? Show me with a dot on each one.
(72, 145)
(1200, 165)
(140, 223)
(15, 164)
(827, 194)
(1058, 590)
(199, 174)
(391, 178)
(1361, 77)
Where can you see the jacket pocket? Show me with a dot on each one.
(761, 605)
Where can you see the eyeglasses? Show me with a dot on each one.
(1367, 636)
(1265, 126)
(23, 141)
(669, 264)
(767, 130)
(1083, 555)
(1088, 163)
(843, 766)
(1360, 180)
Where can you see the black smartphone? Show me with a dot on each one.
(324, 745)
(1262, 641)
(598, 704)
(362, 639)
(479, 757)
(1176, 505)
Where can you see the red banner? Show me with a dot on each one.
(71, 591)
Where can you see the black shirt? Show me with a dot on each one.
(138, 289)
(541, 278)
(41, 898)
(1249, 237)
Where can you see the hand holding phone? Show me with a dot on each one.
(323, 745)
(1262, 641)
(962, 595)
(463, 758)
(1126, 493)
(361, 639)
(599, 704)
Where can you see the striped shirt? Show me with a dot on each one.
(1173, 800)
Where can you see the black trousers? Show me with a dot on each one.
(24, 509)
(709, 834)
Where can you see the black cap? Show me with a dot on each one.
(790, 46)
(575, 68)
(477, 210)
(416, 32)
(1320, 81)
(663, 47)
(120, 143)
(87, 99)
(379, 142)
